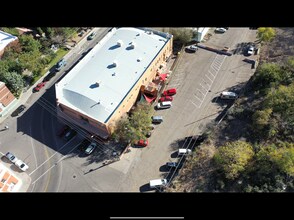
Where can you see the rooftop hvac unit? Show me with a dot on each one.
(98, 83)
(119, 43)
(132, 45)
(114, 64)
(139, 59)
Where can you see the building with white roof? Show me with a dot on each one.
(5, 39)
(105, 84)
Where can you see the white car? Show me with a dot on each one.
(192, 48)
(250, 50)
(164, 105)
(228, 95)
(220, 30)
(11, 157)
(21, 165)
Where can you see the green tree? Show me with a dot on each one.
(266, 34)
(260, 118)
(284, 158)
(233, 158)
(184, 35)
(13, 81)
(269, 75)
(29, 44)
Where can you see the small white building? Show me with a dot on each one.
(199, 33)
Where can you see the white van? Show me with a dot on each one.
(228, 95)
(183, 151)
(158, 182)
(163, 105)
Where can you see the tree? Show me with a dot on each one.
(266, 34)
(284, 158)
(233, 158)
(29, 44)
(260, 118)
(184, 35)
(13, 81)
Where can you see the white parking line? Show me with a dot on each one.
(198, 98)
(194, 104)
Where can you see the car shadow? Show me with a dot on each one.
(174, 154)
(163, 168)
(145, 188)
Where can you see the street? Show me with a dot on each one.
(59, 166)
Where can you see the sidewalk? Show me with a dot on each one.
(27, 94)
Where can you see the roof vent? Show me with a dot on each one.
(114, 64)
(98, 83)
(119, 43)
(113, 74)
(139, 59)
(132, 45)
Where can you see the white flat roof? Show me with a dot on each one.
(78, 89)
(5, 39)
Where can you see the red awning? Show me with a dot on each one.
(163, 76)
(149, 99)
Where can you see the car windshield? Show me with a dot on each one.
(21, 166)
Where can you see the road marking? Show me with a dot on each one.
(194, 104)
(55, 164)
(50, 157)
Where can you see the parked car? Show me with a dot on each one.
(39, 86)
(157, 119)
(184, 151)
(228, 95)
(11, 157)
(91, 36)
(164, 105)
(157, 183)
(19, 110)
(166, 98)
(61, 64)
(21, 165)
(250, 50)
(192, 48)
(171, 164)
(220, 30)
(82, 146)
(69, 134)
(142, 143)
(169, 92)
(91, 148)
(49, 76)
(63, 130)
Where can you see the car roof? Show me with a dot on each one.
(229, 93)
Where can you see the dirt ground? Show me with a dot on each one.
(280, 48)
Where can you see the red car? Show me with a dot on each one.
(169, 92)
(166, 98)
(143, 143)
(39, 86)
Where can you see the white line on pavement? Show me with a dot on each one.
(50, 157)
(55, 164)
(32, 144)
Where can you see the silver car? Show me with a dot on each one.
(11, 157)
(91, 148)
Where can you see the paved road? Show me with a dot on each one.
(32, 136)
(199, 78)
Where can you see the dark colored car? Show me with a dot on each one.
(63, 130)
(171, 164)
(166, 98)
(49, 76)
(19, 110)
(169, 92)
(82, 146)
(39, 86)
(69, 134)
(91, 36)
